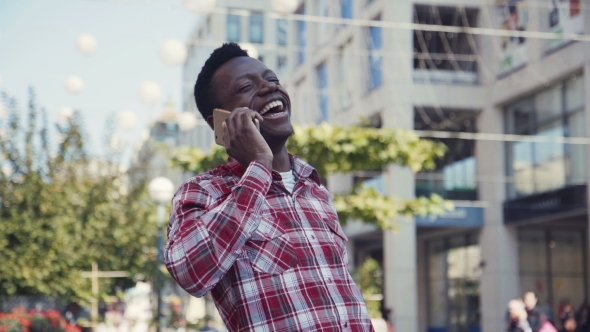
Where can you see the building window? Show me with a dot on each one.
(536, 167)
(301, 38)
(375, 48)
(233, 28)
(344, 76)
(322, 75)
(323, 31)
(440, 56)
(282, 32)
(453, 279)
(455, 174)
(552, 264)
(346, 8)
(256, 28)
(281, 64)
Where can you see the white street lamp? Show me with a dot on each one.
(65, 114)
(74, 84)
(284, 6)
(161, 190)
(127, 120)
(186, 121)
(86, 44)
(173, 52)
(149, 92)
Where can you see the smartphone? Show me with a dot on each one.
(219, 116)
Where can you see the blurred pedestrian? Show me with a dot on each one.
(584, 317)
(567, 317)
(517, 317)
(534, 313)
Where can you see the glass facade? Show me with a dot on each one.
(552, 264)
(445, 51)
(256, 28)
(375, 47)
(282, 32)
(455, 174)
(233, 28)
(536, 167)
(301, 38)
(453, 272)
(322, 78)
(346, 8)
(345, 61)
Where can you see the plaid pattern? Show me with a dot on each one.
(272, 261)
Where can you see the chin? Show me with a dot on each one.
(278, 134)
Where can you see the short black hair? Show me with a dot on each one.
(204, 96)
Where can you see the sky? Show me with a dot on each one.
(38, 49)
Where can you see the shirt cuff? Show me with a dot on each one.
(257, 177)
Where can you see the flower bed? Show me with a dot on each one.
(19, 320)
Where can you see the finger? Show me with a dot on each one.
(225, 136)
(248, 118)
(237, 121)
(256, 115)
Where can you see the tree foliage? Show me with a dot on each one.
(334, 149)
(369, 279)
(61, 210)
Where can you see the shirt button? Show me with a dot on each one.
(251, 210)
(329, 280)
(346, 324)
(266, 235)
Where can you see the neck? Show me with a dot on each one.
(281, 161)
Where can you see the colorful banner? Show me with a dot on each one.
(565, 17)
(514, 17)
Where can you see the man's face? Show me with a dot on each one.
(530, 299)
(246, 82)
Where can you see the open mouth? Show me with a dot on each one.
(273, 107)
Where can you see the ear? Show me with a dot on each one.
(210, 121)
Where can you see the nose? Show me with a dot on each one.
(267, 87)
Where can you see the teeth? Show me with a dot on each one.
(271, 105)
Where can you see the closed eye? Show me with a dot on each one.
(244, 87)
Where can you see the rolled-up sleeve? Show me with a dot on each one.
(204, 237)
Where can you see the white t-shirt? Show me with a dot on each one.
(288, 180)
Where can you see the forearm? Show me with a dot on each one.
(203, 247)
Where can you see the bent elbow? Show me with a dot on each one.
(188, 275)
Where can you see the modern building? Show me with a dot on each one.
(510, 99)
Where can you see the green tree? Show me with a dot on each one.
(62, 209)
(333, 149)
(369, 279)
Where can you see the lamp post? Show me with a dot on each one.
(160, 190)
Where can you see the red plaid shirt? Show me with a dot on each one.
(272, 261)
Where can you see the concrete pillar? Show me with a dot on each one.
(399, 248)
(499, 244)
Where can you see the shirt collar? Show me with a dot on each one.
(300, 168)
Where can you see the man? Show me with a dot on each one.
(260, 233)
(534, 314)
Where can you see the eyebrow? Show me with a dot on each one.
(266, 72)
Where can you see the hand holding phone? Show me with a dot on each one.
(219, 116)
(239, 133)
